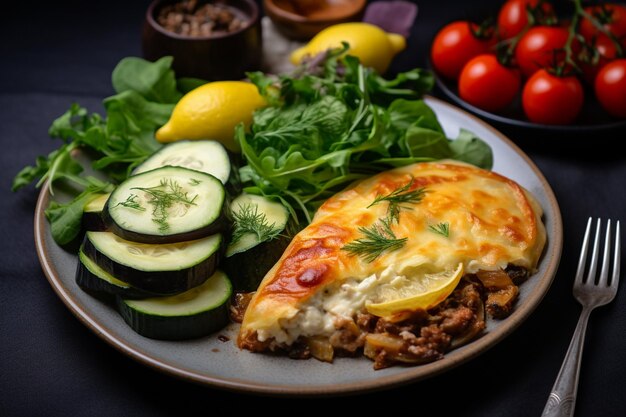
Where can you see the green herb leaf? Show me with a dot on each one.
(441, 228)
(467, 147)
(153, 80)
(66, 219)
(398, 197)
(132, 203)
(379, 238)
(333, 121)
(249, 220)
(163, 197)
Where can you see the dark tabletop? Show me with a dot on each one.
(52, 55)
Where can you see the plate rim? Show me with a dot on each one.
(412, 374)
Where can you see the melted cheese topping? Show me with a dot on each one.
(493, 222)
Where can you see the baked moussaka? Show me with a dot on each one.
(400, 267)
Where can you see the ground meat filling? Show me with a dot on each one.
(423, 336)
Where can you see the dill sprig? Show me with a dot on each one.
(442, 228)
(378, 238)
(248, 220)
(163, 197)
(398, 197)
(131, 203)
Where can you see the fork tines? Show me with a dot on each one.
(591, 278)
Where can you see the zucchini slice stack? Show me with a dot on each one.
(155, 243)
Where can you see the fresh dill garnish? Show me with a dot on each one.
(193, 181)
(249, 220)
(131, 203)
(398, 197)
(442, 228)
(163, 197)
(378, 238)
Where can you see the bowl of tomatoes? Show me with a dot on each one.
(536, 67)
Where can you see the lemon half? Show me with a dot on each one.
(421, 291)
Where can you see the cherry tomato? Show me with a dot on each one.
(611, 16)
(487, 84)
(513, 16)
(454, 45)
(537, 47)
(610, 87)
(549, 99)
(606, 53)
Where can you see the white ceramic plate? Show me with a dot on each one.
(220, 363)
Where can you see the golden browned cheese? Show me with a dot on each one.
(493, 222)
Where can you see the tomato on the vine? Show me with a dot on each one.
(457, 43)
(487, 84)
(550, 99)
(610, 87)
(540, 47)
(612, 17)
(606, 51)
(513, 16)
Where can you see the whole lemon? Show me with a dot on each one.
(212, 111)
(373, 46)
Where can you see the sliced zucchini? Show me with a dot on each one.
(92, 213)
(259, 239)
(166, 205)
(208, 156)
(198, 312)
(93, 279)
(161, 269)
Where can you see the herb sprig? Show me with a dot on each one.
(249, 220)
(379, 238)
(163, 197)
(398, 199)
(442, 229)
(132, 203)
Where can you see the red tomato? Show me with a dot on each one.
(606, 53)
(487, 84)
(536, 48)
(611, 16)
(610, 88)
(549, 99)
(454, 45)
(513, 16)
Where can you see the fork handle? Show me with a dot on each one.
(562, 398)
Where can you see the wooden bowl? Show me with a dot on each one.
(220, 56)
(303, 19)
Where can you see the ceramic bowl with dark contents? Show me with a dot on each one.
(213, 40)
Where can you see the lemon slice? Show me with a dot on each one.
(421, 291)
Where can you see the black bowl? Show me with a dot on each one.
(592, 121)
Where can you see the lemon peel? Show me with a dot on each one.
(373, 46)
(212, 111)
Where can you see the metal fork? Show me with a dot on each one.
(591, 292)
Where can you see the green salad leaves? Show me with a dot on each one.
(146, 95)
(334, 121)
(330, 122)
